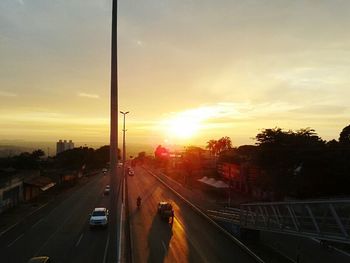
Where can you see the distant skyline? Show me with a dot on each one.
(189, 71)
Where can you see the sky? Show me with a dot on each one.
(189, 70)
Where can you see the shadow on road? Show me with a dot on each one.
(159, 238)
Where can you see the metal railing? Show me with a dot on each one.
(326, 220)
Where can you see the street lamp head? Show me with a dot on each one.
(124, 112)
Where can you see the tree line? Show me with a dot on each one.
(73, 159)
(294, 163)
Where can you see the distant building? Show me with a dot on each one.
(62, 146)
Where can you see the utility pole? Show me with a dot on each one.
(113, 153)
(124, 152)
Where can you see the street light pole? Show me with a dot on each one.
(113, 154)
(124, 130)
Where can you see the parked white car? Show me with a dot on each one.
(99, 217)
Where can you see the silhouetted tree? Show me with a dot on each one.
(161, 155)
(291, 161)
(344, 137)
(192, 161)
(224, 143)
(141, 155)
(230, 156)
(211, 146)
(217, 146)
(27, 160)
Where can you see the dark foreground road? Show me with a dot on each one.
(61, 230)
(190, 239)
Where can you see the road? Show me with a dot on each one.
(191, 238)
(61, 230)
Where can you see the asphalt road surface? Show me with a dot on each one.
(191, 238)
(61, 230)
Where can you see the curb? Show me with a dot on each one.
(196, 209)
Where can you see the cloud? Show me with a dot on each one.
(88, 95)
(7, 94)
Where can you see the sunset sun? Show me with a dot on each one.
(183, 127)
(187, 124)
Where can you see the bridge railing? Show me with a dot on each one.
(327, 220)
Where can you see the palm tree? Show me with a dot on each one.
(224, 143)
(212, 146)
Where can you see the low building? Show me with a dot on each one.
(11, 189)
(36, 185)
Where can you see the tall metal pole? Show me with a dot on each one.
(124, 152)
(115, 202)
(113, 154)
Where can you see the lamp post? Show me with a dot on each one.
(114, 96)
(124, 130)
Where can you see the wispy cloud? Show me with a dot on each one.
(7, 94)
(88, 95)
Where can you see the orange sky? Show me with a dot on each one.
(189, 71)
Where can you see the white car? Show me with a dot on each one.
(99, 217)
(107, 190)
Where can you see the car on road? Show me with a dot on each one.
(107, 189)
(99, 217)
(165, 210)
(42, 259)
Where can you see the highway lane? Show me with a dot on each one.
(191, 238)
(62, 231)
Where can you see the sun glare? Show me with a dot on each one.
(183, 127)
(188, 124)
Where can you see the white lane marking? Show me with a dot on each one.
(14, 225)
(67, 218)
(37, 223)
(15, 240)
(78, 242)
(106, 249)
(164, 246)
